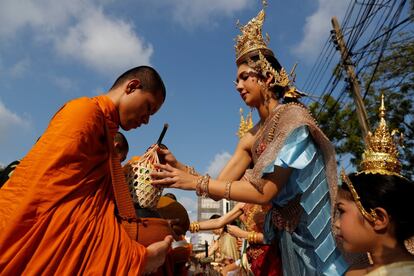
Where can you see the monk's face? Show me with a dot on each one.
(136, 107)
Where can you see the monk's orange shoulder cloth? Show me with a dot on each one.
(57, 210)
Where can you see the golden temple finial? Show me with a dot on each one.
(381, 153)
(245, 124)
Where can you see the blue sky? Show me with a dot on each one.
(52, 51)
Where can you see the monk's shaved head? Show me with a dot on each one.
(149, 78)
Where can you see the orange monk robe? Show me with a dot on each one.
(57, 211)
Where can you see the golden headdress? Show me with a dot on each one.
(251, 38)
(380, 157)
(252, 43)
(381, 153)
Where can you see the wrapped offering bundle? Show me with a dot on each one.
(139, 179)
(137, 174)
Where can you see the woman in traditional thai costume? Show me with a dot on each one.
(262, 259)
(293, 164)
(375, 215)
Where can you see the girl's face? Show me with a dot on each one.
(247, 84)
(354, 232)
(218, 231)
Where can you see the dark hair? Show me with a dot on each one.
(215, 216)
(171, 195)
(150, 79)
(393, 193)
(254, 56)
(120, 138)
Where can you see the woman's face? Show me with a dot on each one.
(354, 231)
(249, 85)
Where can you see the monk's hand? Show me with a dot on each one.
(166, 157)
(170, 177)
(156, 254)
(235, 231)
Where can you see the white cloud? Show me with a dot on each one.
(19, 68)
(218, 163)
(41, 15)
(104, 44)
(190, 204)
(9, 121)
(77, 29)
(317, 27)
(64, 83)
(191, 14)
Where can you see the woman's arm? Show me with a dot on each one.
(240, 161)
(242, 191)
(223, 220)
(233, 170)
(239, 233)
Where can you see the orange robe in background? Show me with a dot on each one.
(57, 211)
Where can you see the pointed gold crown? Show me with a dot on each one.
(381, 153)
(245, 124)
(251, 38)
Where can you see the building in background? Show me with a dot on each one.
(206, 207)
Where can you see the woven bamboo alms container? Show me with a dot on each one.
(139, 179)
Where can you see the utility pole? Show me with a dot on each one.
(353, 81)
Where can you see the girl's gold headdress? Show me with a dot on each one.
(381, 153)
(380, 157)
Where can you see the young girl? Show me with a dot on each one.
(376, 216)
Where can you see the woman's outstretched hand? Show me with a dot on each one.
(170, 177)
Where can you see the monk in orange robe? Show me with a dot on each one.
(57, 211)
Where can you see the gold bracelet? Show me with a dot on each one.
(194, 227)
(227, 190)
(252, 237)
(198, 186)
(205, 181)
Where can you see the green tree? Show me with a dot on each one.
(394, 77)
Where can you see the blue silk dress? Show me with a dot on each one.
(310, 249)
